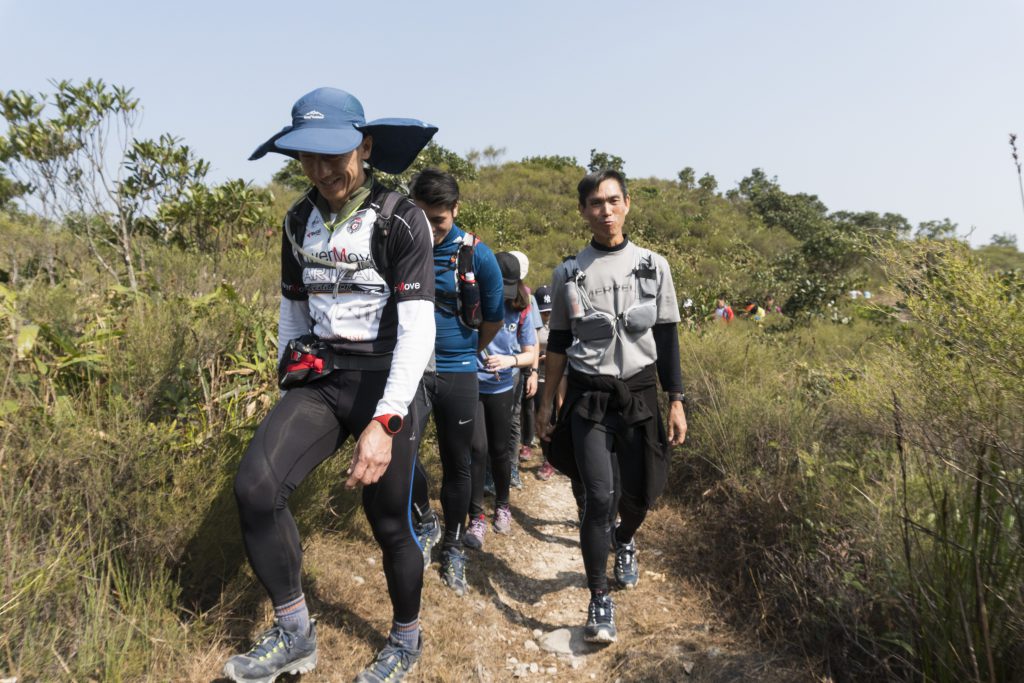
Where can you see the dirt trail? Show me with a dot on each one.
(523, 587)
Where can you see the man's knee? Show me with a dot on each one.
(597, 504)
(256, 491)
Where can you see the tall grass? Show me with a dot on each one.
(864, 483)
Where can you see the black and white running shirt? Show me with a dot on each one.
(357, 310)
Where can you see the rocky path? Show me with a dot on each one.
(523, 615)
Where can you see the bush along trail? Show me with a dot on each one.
(523, 616)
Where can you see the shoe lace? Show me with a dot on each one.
(601, 611)
(625, 556)
(392, 658)
(455, 566)
(269, 641)
(477, 526)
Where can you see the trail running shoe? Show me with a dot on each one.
(392, 663)
(503, 520)
(525, 453)
(474, 537)
(545, 471)
(427, 535)
(600, 626)
(627, 571)
(514, 481)
(453, 570)
(277, 651)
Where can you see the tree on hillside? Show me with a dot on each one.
(688, 178)
(10, 190)
(832, 248)
(1004, 240)
(554, 161)
(602, 160)
(936, 230)
(75, 149)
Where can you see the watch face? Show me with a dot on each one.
(394, 424)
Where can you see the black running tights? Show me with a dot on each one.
(306, 427)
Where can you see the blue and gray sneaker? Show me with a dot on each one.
(277, 651)
(428, 534)
(392, 663)
(515, 481)
(453, 570)
(627, 571)
(600, 626)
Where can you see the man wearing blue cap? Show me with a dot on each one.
(357, 290)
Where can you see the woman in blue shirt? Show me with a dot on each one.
(497, 367)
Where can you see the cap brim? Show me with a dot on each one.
(313, 140)
(510, 290)
(396, 142)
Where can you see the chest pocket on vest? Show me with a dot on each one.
(642, 315)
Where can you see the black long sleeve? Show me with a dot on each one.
(666, 341)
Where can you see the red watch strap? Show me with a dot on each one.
(392, 423)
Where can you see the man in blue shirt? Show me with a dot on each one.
(450, 387)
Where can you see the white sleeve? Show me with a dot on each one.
(409, 360)
(293, 321)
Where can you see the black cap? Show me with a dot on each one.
(543, 295)
(509, 266)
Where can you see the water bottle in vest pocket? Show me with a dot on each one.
(470, 312)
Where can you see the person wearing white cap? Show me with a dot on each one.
(357, 287)
(526, 381)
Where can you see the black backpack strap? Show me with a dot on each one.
(381, 229)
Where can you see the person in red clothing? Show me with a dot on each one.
(723, 311)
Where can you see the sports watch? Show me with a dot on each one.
(392, 423)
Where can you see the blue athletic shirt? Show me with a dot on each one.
(510, 340)
(455, 344)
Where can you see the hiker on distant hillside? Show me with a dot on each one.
(497, 366)
(752, 311)
(613, 320)
(468, 312)
(723, 311)
(357, 291)
(770, 307)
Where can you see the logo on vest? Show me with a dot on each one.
(355, 224)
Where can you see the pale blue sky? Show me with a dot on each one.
(885, 106)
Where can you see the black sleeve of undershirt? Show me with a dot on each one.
(666, 341)
(292, 286)
(559, 341)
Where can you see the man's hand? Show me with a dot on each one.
(676, 423)
(371, 457)
(542, 423)
(530, 390)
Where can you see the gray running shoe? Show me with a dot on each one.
(503, 520)
(474, 537)
(392, 663)
(600, 626)
(453, 570)
(427, 536)
(627, 571)
(276, 652)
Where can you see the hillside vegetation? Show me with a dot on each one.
(854, 467)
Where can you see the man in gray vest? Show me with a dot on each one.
(613, 320)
